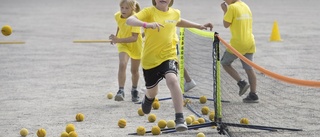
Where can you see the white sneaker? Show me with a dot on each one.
(189, 85)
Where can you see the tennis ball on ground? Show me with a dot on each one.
(141, 130)
(196, 122)
(70, 127)
(205, 110)
(155, 130)
(162, 123)
(110, 95)
(201, 120)
(73, 134)
(79, 117)
(244, 121)
(41, 132)
(200, 134)
(211, 115)
(152, 118)
(188, 120)
(6, 30)
(155, 105)
(171, 124)
(192, 117)
(203, 99)
(64, 134)
(122, 123)
(156, 99)
(140, 112)
(24, 132)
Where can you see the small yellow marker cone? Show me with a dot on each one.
(275, 34)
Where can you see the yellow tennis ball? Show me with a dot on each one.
(196, 122)
(6, 30)
(155, 105)
(24, 132)
(244, 121)
(203, 99)
(200, 134)
(41, 132)
(122, 123)
(140, 112)
(110, 95)
(141, 130)
(70, 127)
(155, 130)
(205, 110)
(64, 134)
(188, 120)
(80, 117)
(192, 117)
(156, 99)
(201, 120)
(211, 115)
(171, 124)
(162, 123)
(73, 134)
(152, 118)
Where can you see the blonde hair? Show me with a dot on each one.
(133, 4)
(154, 3)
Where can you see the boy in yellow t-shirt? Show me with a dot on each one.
(159, 56)
(238, 16)
(129, 43)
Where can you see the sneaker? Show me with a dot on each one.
(243, 85)
(189, 85)
(146, 105)
(251, 98)
(119, 96)
(181, 125)
(134, 95)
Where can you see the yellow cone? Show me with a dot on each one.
(275, 34)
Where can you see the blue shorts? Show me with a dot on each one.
(228, 58)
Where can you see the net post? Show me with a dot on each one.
(181, 59)
(216, 78)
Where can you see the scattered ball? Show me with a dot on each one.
(24, 132)
(64, 134)
(171, 124)
(200, 134)
(110, 95)
(79, 117)
(73, 134)
(203, 99)
(211, 115)
(141, 130)
(122, 123)
(70, 127)
(6, 30)
(152, 118)
(155, 105)
(201, 120)
(41, 132)
(162, 123)
(188, 120)
(140, 112)
(155, 130)
(192, 117)
(244, 121)
(195, 123)
(156, 99)
(205, 110)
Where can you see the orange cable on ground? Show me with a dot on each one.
(301, 82)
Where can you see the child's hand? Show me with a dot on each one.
(113, 38)
(205, 26)
(154, 25)
(224, 7)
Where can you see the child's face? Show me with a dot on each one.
(229, 1)
(126, 10)
(163, 3)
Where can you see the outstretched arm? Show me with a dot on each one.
(188, 24)
(115, 39)
(134, 21)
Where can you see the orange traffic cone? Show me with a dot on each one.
(275, 34)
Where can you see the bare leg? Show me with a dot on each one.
(152, 93)
(232, 72)
(135, 72)
(173, 85)
(123, 61)
(252, 80)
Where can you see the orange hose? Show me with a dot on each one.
(308, 83)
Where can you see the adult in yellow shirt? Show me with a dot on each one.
(129, 43)
(159, 56)
(238, 16)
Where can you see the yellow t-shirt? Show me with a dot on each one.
(132, 49)
(240, 17)
(158, 46)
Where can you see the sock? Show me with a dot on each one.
(134, 88)
(179, 115)
(121, 88)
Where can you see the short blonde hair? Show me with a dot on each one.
(154, 3)
(133, 4)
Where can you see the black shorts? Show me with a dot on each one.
(153, 76)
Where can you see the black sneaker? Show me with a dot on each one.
(251, 98)
(181, 125)
(146, 105)
(119, 96)
(243, 85)
(134, 95)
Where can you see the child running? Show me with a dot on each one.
(129, 43)
(159, 56)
